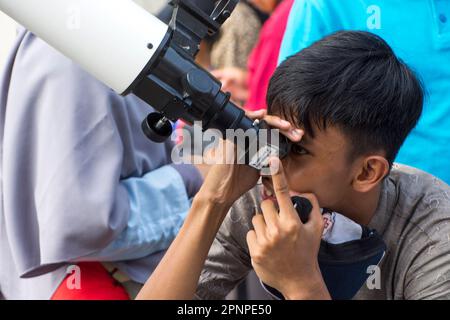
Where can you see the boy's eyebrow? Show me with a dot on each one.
(304, 145)
(305, 140)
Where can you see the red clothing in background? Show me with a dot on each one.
(264, 57)
(96, 283)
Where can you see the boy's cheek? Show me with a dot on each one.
(324, 191)
(299, 181)
(312, 179)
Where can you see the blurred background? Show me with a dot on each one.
(8, 27)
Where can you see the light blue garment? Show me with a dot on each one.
(158, 207)
(419, 33)
(70, 152)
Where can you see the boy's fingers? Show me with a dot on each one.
(295, 135)
(257, 114)
(285, 127)
(277, 122)
(251, 241)
(270, 213)
(281, 189)
(259, 226)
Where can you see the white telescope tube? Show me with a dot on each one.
(111, 39)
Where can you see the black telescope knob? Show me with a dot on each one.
(198, 84)
(303, 207)
(157, 127)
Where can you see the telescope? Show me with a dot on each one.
(133, 52)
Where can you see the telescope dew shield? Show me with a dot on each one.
(114, 40)
(131, 51)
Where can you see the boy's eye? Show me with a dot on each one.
(298, 150)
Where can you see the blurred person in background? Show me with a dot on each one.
(250, 84)
(231, 47)
(236, 38)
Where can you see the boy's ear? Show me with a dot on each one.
(370, 173)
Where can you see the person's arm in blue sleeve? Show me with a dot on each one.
(307, 23)
(159, 202)
(67, 197)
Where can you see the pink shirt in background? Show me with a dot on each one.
(264, 57)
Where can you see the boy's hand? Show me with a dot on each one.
(225, 183)
(286, 128)
(283, 249)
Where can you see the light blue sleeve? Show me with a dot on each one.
(306, 25)
(158, 207)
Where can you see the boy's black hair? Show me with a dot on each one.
(354, 81)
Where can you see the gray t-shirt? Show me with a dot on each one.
(413, 217)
